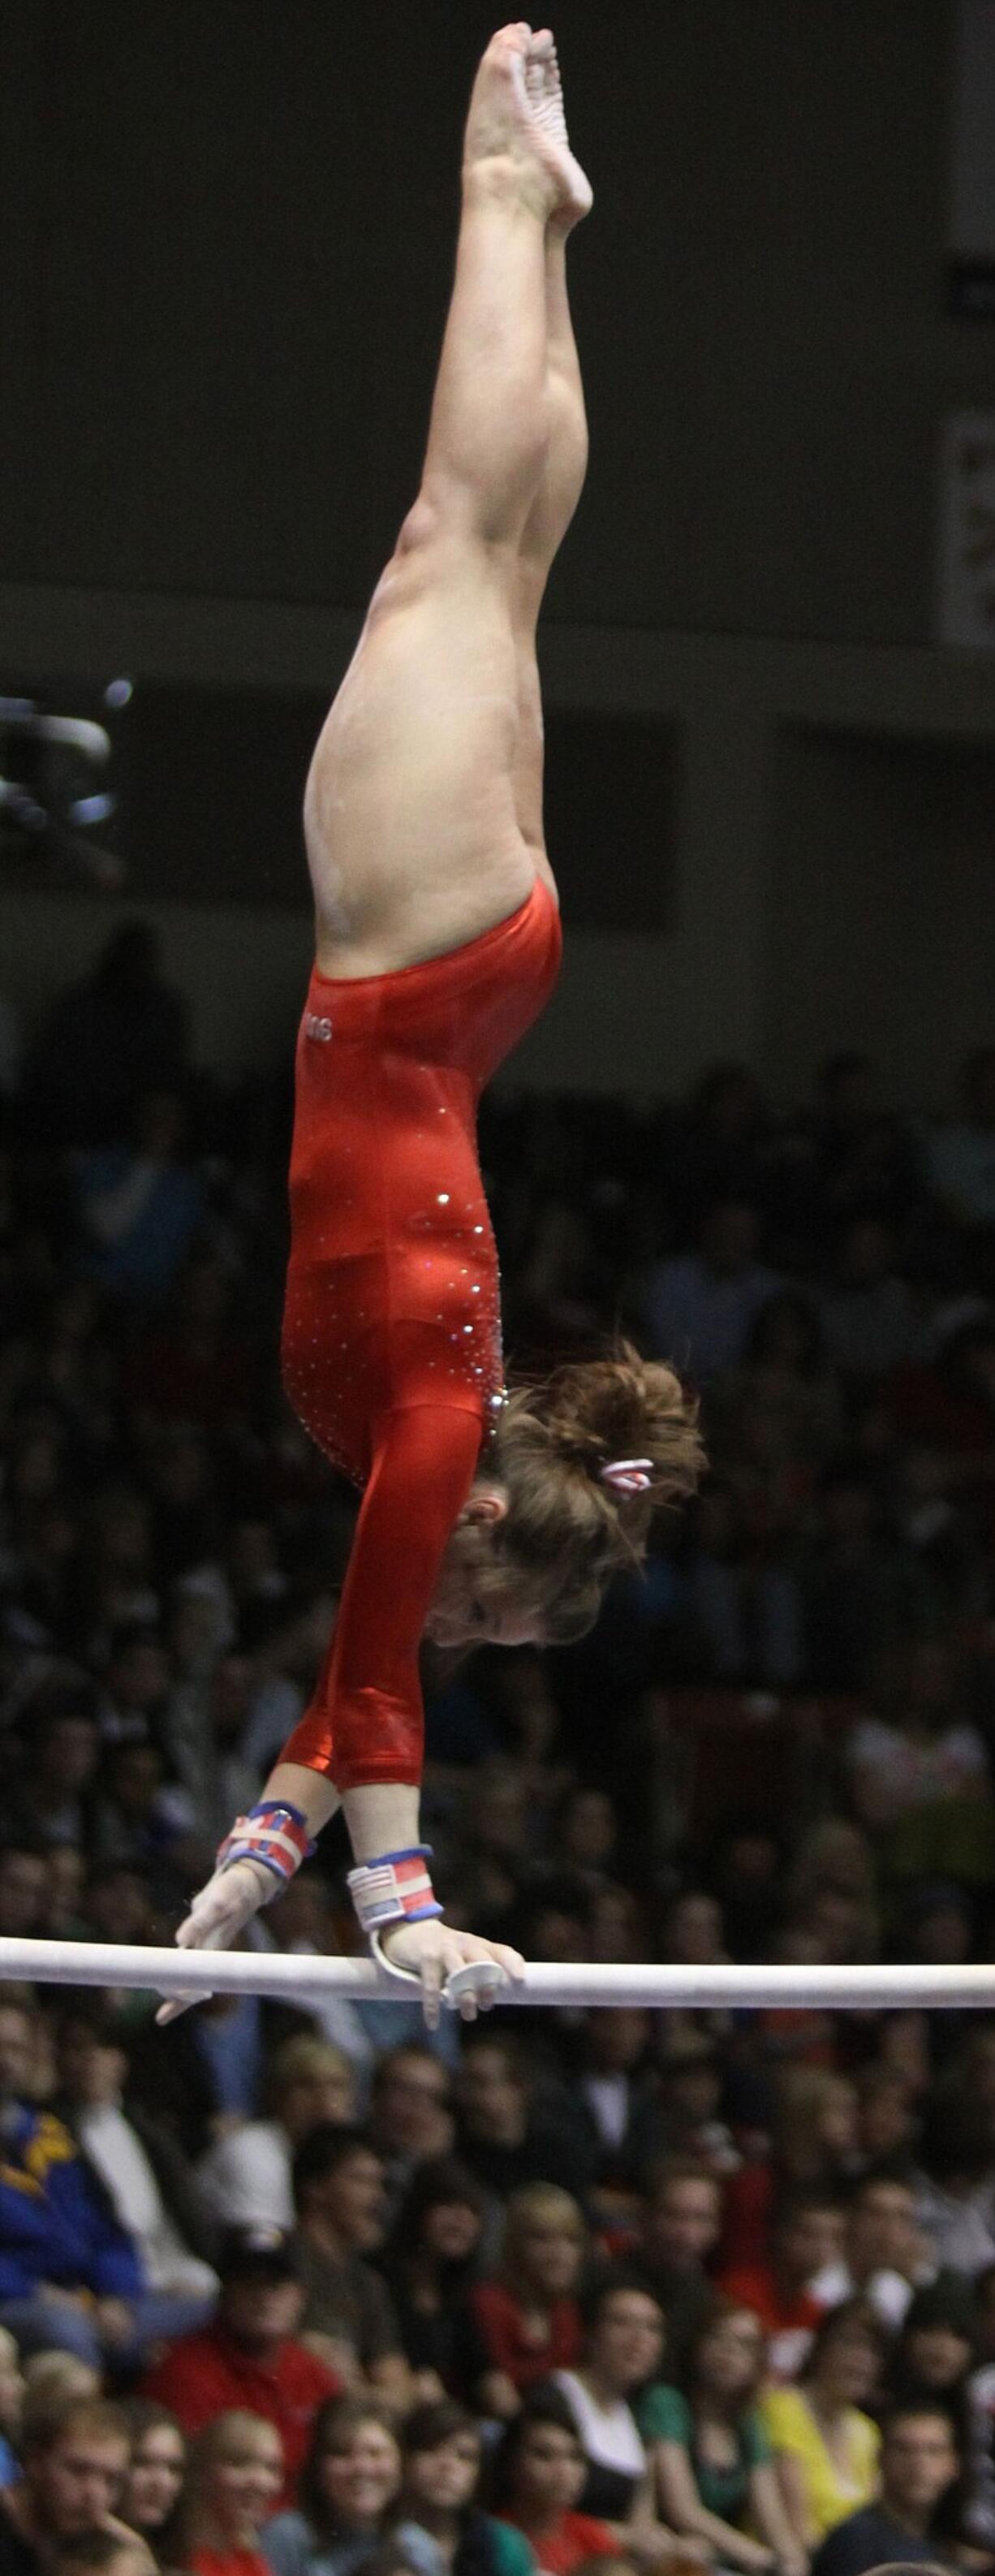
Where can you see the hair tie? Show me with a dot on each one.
(627, 1475)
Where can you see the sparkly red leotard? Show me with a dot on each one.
(392, 1332)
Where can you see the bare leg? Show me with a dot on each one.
(413, 833)
(552, 509)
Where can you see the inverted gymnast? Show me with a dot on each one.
(484, 1514)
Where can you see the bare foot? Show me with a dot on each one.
(516, 114)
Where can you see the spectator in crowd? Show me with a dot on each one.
(236, 2473)
(444, 2528)
(152, 2192)
(339, 2198)
(870, 1317)
(429, 2261)
(621, 2094)
(526, 2321)
(623, 2349)
(112, 2552)
(918, 2465)
(246, 2177)
(74, 2469)
(139, 1203)
(540, 2474)
(882, 2252)
(710, 2455)
(920, 1780)
(824, 2441)
(781, 2293)
(69, 2273)
(249, 2359)
(504, 2136)
(349, 2492)
(681, 2226)
(701, 1306)
(53, 2381)
(411, 2115)
(105, 1039)
(152, 2494)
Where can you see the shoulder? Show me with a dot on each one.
(663, 2415)
(287, 2542)
(784, 2415)
(864, 2433)
(302, 2372)
(510, 2552)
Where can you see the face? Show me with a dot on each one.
(16, 2051)
(91, 2072)
(24, 1893)
(695, 1931)
(550, 2252)
(917, 2463)
(882, 2229)
(729, 2357)
(627, 2343)
(848, 2366)
(353, 2198)
(360, 2481)
(412, 2104)
(260, 2313)
(446, 2477)
(813, 2239)
(155, 2477)
(76, 2484)
(684, 2225)
(938, 2355)
(70, 1754)
(312, 2099)
(550, 2471)
(885, 2120)
(242, 2487)
(489, 2091)
(477, 1601)
(451, 2231)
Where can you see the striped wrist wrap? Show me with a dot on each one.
(394, 1889)
(274, 1835)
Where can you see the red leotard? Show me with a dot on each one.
(392, 1330)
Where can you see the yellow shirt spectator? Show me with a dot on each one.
(831, 2489)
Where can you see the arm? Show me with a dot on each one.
(360, 1742)
(793, 2490)
(771, 2520)
(681, 2506)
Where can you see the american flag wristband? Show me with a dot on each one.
(395, 1889)
(272, 1834)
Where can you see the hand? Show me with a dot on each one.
(433, 1951)
(217, 1916)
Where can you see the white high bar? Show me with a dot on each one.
(293, 1979)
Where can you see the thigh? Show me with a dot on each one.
(412, 829)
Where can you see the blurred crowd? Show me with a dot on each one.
(303, 2290)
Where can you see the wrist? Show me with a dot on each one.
(393, 1890)
(274, 1835)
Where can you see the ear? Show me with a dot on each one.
(485, 1503)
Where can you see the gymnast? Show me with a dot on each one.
(485, 1515)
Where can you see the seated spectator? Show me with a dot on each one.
(139, 1202)
(886, 2115)
(882, 2253)
(786, 1377)
(428, 2262)
(681, 2223)
(106, 1037)
(52, 2381)
(151, 2189)
(918, 2465)
(504, 2136)
(540, 2473)
(526, 2321)
(781, 2292)
(930, 2364)
(249, 2360)
(623, 2349)
(824, 2442)
(152, 2494)
(25, 1887)
(74, 2467)
(348, 2495)
(870, 1317)
(955, 2184)
(411, 2114)
(620, 2090)
(710, 2456)
(813, 2146)
(69, 2273)
(236, 2474)
(339, 2198)
(444, 2529)
(920, 1779)
(246, 2177)
(701, 1306)
(52, 1786)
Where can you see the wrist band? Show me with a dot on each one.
(272, 1834)
(395, 1889)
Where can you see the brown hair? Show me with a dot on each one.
(96, 2419)
(567, 1531)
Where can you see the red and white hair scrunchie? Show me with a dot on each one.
(628, 1475)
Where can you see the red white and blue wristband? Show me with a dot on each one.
(396, 1888)
(274, 1835)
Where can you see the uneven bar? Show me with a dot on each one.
(275, 1973)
